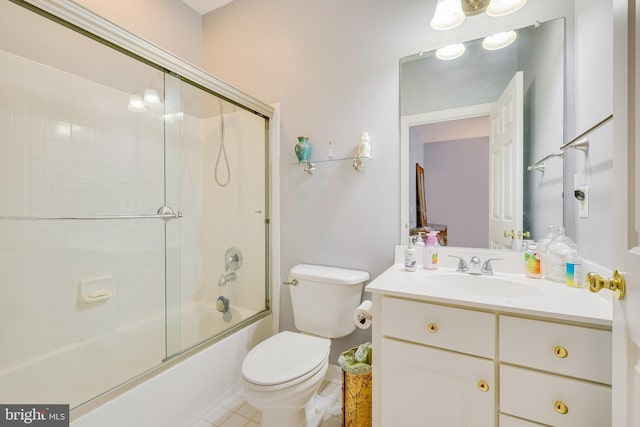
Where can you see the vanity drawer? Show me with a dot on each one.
(543, 398)
(508, 421)
(568, 350)
(462, 330)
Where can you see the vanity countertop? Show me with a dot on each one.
(545, 298)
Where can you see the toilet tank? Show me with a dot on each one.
(325, 298)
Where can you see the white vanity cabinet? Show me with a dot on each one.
(425, 385)
(442, 364)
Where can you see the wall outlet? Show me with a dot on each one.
(583, 205)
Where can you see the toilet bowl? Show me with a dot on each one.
(281, 375)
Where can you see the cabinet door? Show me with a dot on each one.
(423, 386)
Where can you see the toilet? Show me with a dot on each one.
(282, 374)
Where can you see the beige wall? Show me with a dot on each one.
(169, 24)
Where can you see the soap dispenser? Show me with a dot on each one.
(430, 252)
(410, 257)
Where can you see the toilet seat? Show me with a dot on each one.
(285, 359)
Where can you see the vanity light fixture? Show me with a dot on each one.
(136, 104)
(499, 40)
(450, 52)
(504, 7)
(448, 15)
(451, 13)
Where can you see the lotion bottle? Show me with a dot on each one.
(430, 252)
(410, 257)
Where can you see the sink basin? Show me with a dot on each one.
(484, 286)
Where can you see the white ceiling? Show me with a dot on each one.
(205, 6)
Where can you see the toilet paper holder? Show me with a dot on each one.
(363, 317)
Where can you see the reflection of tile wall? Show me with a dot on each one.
(69, 146)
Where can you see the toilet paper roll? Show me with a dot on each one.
(362, 315)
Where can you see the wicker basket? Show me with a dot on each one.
(356, 400)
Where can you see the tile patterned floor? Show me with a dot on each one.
(234, 411)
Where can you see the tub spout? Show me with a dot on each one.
(226, 278)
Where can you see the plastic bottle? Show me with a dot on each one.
(558, 252)
(364, 148)
(330, 155)
(419, 245)
(410, 257)
(543, 244)
(430, 252)
(574, 270)
(532, 261)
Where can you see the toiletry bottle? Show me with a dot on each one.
(419, 245)
(330, 153)
(543, 244)
(410, 257)
(557, 253)
(364, 148)
(430, 253)
(574, 270)
(532, 261)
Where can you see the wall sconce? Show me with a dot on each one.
(451, 13)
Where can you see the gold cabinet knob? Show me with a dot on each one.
(511, 234)
(432, 327)
(525, 234)
(560, 407)
(560, 351)
(483, 386)
(616, 283)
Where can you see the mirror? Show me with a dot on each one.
(453, 119)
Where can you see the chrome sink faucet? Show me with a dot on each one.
(475, 266)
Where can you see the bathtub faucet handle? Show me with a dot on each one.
(232, 259)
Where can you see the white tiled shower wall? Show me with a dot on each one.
(68, 147)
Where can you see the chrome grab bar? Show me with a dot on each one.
(165, 213)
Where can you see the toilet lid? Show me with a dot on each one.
(284, 357)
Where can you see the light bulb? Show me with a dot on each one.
(504, 7)
(450, 52)
(448, 15)
(499, 40)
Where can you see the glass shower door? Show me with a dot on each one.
(82, 247)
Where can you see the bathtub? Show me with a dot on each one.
(76, 373)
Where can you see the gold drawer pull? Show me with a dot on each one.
(560, 407)
(483, 386)
(432, 327)
(560, 351)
